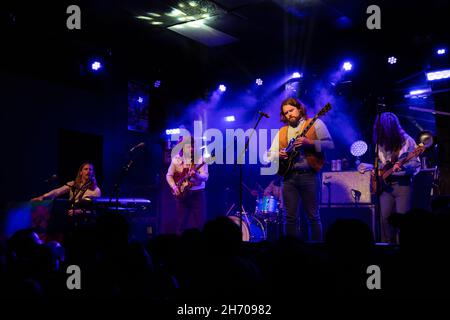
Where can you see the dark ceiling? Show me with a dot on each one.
(270, 36)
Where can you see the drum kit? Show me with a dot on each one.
(255, 225)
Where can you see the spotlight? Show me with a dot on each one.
(419, 93)
(357, 149)
(392, 60)
(438, 75)
(297, 75)
(157, 83)
(347, 66)
(222, 88)
(291, 86)
(172, 131)
(96, 65)
(441, 51)
(140, 100)
(230, 119)
(259, 82)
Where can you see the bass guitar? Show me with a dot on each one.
(378, 184)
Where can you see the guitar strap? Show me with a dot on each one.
(302, 127)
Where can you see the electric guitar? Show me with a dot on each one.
(285, 165)
(183, 179)
(378, 184)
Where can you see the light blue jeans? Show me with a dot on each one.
(395, 199)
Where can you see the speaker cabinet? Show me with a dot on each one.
(422, 190)
(345, 187)
(364, 213)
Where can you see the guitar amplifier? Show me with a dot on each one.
(345, 187)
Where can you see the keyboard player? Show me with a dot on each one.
(82, 188)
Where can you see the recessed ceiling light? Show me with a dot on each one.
(144, 18)
(175, 13)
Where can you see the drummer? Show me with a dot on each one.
(275, 189)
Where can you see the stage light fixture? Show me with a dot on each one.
(357, 149)
(438, 75)
(392, 60)
(96, 65)
(172, 131)
(347, 66)
(418, 93)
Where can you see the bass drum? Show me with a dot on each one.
(252, 229)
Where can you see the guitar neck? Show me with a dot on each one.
(416, 152)
(306, 129)
(198, 167)
(322, 112)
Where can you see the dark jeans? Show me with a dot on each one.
(191, 211)
(304, 186)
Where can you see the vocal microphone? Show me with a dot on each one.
(263, 114)
(140, 145)
(54, 177)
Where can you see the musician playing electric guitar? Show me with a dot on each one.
(190, 191)
(300, 181)
(395, 146)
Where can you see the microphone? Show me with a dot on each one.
(52, 178)
(263, 114)
(140, 145)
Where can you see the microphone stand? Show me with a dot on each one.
(75, 192)
(376, 173)
(241, 207)
(116, 189)
(328, 185)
